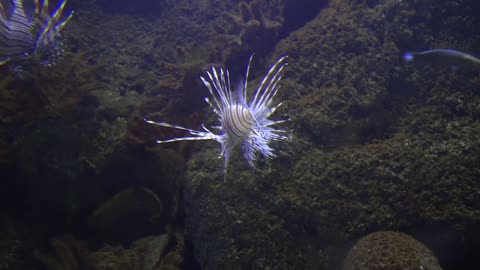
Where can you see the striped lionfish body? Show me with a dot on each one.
(34, 36)
(241, 123)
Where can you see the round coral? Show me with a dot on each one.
(390, 250)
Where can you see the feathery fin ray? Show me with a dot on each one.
(240, 123)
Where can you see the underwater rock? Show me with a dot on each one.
(144, 254)
(141, 6)
(112, 258)
(390, 250)
(150, 249)
(366, 154)
(68, 253)
(173, 260)
(15, 243)
(129, 214)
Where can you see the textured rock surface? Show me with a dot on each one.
(389, 250)
(377, 143)
(147, 253)
(139, 211)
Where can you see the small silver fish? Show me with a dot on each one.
(446, 56)
(240, 122)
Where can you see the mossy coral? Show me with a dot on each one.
(68, 253)
(66, 84)
(377, 143)
(257, 24)
(389, 250)
(140, 208)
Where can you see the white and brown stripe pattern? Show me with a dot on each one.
(238, 121)
(16, 39)
(241, 123)
(34, 36)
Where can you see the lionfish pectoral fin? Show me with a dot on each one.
(198, 135)
(183, 139)
(163, 124)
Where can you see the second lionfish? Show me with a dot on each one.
(241, 122)
(30, 36)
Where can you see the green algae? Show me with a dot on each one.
(377, 144)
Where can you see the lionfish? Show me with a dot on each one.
(30, 37)
(241, 123)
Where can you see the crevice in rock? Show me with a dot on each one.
(298, 13)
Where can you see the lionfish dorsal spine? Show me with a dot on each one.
(267, 89)
(245, 85)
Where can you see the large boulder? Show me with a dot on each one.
(129, 214)
(390, 250)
